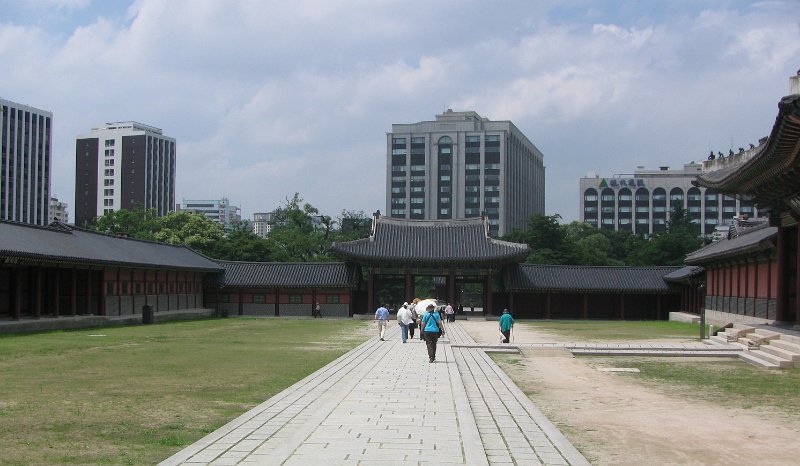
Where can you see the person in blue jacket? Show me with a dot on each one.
(432, 325)
(506, 323)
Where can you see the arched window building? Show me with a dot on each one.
(642, 202)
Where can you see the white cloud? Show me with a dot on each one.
(269, 98)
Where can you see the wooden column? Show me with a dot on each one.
(277, 302)
(547, 313)
(101, 295)
(370, 291)
(511, 305)
(451, 288)
(313, 302)
(409, 287)
(796, 312)
(488, 302)
(73, 293)
(38, 293)
(89, 291)
(241, 302)
(56, 292)
(755, 287)
(658, 307)
(350, 306)
(621, 306)
(17, 293)
(780, 299)
(585, 310)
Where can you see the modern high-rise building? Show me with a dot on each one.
(25, 148)
(641, 202)
(463, 165)
(58, 211)
(217, 210)
(123, 166)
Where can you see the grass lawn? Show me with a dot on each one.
(727, 382)
(136, 395)
(588, 330)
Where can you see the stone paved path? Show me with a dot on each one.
(383, 403)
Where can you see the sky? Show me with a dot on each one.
(271, 98)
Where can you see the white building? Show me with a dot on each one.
(25, 155)
(463, 166)
(217, 210)
(641, 202)
(58, 211)
(124, 165)
(262, 223)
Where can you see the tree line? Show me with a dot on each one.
(300, 234)
(579, 243)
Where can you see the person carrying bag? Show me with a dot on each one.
(433, 329)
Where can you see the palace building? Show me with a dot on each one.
(754, 277)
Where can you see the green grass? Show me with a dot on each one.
(728, 382)
(588, 330)
(136, 395)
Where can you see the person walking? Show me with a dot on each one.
(414, 320)
(432, 325)
(506, 324)
(404, 320)
(450, 313)
(317, 311)
(382, 316)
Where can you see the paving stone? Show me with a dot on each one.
(382, 403)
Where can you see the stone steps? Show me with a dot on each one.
(767, 348)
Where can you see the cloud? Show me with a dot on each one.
(270, 98)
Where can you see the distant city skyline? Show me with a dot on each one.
(264, 109)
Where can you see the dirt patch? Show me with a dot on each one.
(614, 418)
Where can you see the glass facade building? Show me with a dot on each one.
(25, 153)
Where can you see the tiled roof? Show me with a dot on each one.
(586, 279)
(771, 174)
(432, 242)
(755, 240)
(71, 245)
(683, 274)
(288, 275)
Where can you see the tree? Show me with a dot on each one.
(353, 225)
(241, 244)
(137, 223)
(295, 236)
(192, 230)
(594, 249)
(672, 246)
(546, 237)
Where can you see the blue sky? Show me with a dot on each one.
(268, 98)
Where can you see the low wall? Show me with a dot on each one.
(79, 322)
(684, 317)
(718, 318)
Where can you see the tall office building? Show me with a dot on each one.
(123, 166)
(461, 166)
(25, 150)
(217, 210)
(641, 202)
